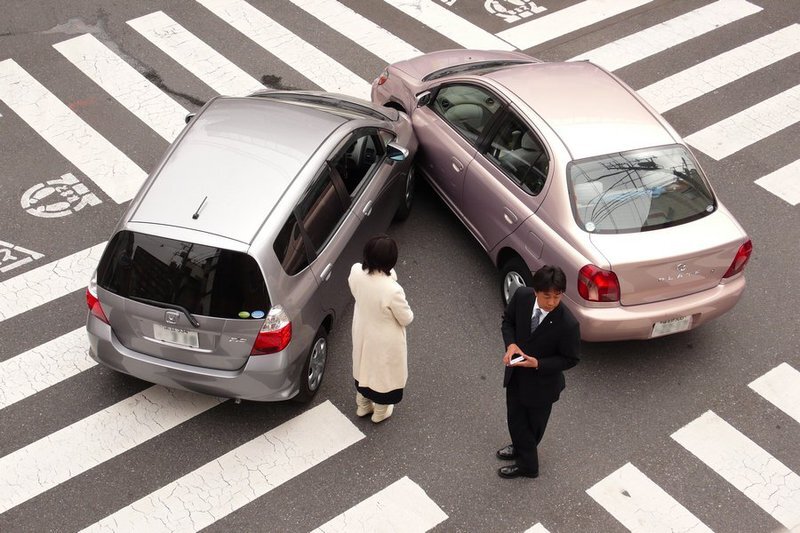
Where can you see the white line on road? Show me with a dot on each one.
(655, 39)
(784, 182)
(44, 366)
(147, 102)
(211, 67)
(642, 506)
(745, 465)
(402, 506)
(751, 125)
(444, 21)
(572, 18)
(288, 47)
(781, 385)
(359, 29)
(101, 161)
(46, 463)
(50, 281)
(721, 70)
(242, 475)
(537, 528)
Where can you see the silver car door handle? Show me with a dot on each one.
(509, 215)
(367, 209)
(326, 273)
(457, 166)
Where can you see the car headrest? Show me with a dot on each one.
(528, 143)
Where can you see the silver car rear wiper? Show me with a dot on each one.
(192, 320)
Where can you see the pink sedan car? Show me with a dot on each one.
(564, 164)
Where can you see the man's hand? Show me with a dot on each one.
(529, 362)
(511, 352)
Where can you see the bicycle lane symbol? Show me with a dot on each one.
(57, 198)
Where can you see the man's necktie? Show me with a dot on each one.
(535, 320)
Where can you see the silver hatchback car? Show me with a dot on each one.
(229, 268)
(562, 163)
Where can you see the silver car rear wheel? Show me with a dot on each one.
(314, 368)
(515, 274)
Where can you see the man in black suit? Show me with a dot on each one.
(542, 339)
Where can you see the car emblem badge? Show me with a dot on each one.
(171, 317)
(681, 267)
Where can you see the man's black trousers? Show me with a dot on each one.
(526, 424)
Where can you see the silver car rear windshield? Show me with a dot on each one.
(640, 190)
(204, 280)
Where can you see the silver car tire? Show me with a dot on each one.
(514, 274)
(314, 368)
(407, 201)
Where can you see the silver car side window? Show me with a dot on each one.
(467, 108)
(519, 153)
(321, 210)
(362, 154)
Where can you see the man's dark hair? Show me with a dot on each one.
(549, 278)
(380, 253)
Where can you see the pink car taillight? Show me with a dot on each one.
(598, 285)
(383, 77)
(93, 302)
(741, 259)
(275, 334)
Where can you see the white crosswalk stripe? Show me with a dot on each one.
(749, 126)
(723, 69)
(101, 161)
(455, 28)
(781, 387)
(242, 475)
(642, 506)
(572, 18)
(87, 443)
(537, 528)
(784, 182)
(359, 29)
(44, 284)
(309, 61)
(666, 35)
(44, 366)
(194, 55)
(745, 465)
(150, 104)
(402, 506)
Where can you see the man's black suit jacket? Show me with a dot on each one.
(555, 343)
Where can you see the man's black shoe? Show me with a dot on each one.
(512, 471)
(506, 453)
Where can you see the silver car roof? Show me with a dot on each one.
(589, 109)
(233, 165)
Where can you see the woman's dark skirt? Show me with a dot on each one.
(381, 398)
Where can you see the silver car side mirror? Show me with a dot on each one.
(395, 152)
(423, 99)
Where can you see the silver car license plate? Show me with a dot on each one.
(666, 327)
(178, 336)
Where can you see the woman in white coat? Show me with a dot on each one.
(380, 365)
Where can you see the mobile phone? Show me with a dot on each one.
(518, 359)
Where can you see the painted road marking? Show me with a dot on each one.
(721, 70)
(50, 281)
(402, 506)
(11, 256)
(449, 24)
(751, 125)
(239, 477)
(572, 18)
(359, 29)
(641, 505)
(666, 35)
(211, 67)
(57, 198)
(781, 387)
(44, 366)
(784, 182)
(101, 161)
(46, 463)
(745, 465)
(537, 528)
(141, 97)
(288, 47)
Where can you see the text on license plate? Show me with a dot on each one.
(177, 336)
(674, 325)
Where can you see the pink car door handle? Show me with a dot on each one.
(457, 166)
(509, 215)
